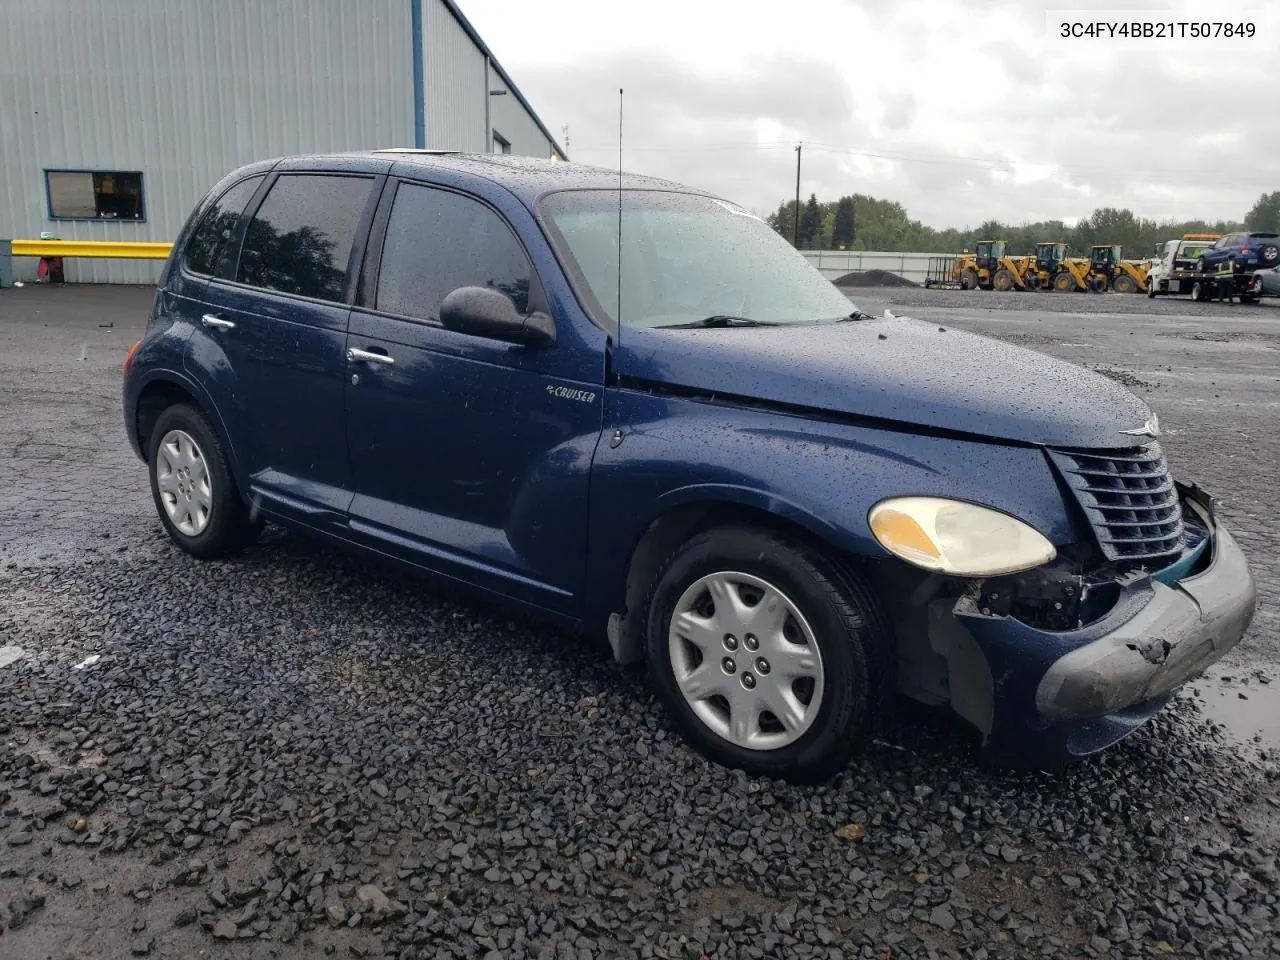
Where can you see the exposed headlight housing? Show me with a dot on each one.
(957, 538)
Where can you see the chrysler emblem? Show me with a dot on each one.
(1149, 429)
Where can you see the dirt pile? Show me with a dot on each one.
(874, 278)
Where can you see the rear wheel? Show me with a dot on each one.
(1002, 280)
(1063, 282)
(1125, 284)
(969, 279)
(192, 486)
(771, 658)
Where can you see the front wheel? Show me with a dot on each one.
(192, 486)
(771, 658)
(1124, 284)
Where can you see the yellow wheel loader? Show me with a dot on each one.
(988, 268)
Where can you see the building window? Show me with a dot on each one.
(94, 194)
(500, 143)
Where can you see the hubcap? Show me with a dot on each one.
(746, 660)
(182, 476)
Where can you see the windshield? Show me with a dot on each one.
(684, 258)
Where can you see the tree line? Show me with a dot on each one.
(860, 222)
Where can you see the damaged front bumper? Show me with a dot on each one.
(1051, 695)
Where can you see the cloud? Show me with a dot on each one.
(961, 112)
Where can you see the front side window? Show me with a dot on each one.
(300, 239)
(684, 258)
(211, 242)
(94, 194)
(438, 241)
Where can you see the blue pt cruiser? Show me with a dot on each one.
(696, 447)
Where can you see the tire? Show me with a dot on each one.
(845, 665)
(1124, 284)
(969, 279)
(1199, 292)
(1269, 255)
(1002, 280)
(1151, 289)
(1201, 265)
(1063, 282)
(201, 509)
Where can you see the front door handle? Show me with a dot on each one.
(218, 323)
(369, 356)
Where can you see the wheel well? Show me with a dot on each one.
(662, 537)
(156, 397)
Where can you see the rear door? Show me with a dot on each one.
(469, 456)
(274, 334)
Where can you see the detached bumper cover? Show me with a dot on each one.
(1181, 631)
(1057, 695)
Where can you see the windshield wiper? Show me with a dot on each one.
(856, 315)
(721, 320)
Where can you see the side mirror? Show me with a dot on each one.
(485, 312)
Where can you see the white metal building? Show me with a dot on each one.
(116, 116)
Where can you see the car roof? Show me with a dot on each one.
(1262, 233)
(528, 178)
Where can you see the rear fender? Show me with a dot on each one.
(201, 399)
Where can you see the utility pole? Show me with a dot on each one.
(795, 233)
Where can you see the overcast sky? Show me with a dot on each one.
(958, 109)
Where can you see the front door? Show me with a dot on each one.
(280, 326)
(469, 456)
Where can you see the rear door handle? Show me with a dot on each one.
(218, 323)
(369, 356)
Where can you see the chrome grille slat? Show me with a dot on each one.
(1129, 498)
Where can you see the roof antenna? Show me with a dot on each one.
(619, 314)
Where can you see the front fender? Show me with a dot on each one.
(747, 496)
(822, 475)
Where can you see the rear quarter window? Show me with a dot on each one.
(210, 244)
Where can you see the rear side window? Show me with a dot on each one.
(300, 239)
(438, 241)
(211, 242)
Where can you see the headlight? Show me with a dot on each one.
(962, 539)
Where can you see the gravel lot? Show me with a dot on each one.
(298, 754)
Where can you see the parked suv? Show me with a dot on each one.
(788, 508)
(1253, 250)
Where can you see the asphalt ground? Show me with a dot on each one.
(298, 753)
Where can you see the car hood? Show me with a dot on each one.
(893, 369)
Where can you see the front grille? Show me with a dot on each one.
(1129, 499)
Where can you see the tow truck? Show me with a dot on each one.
(1175, 273)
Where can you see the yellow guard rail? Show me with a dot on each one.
(102, 249)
